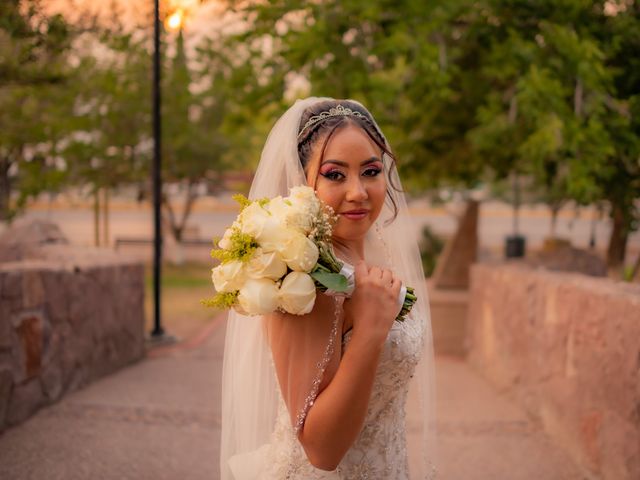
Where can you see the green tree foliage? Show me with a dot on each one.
(560, 105)
(475, 91)
(33, 70)
(32, 45)
(109, 138)
(80, 114)
(192, 146)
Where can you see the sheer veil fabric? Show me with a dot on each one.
(250, 387)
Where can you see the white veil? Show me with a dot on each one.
(249, 384)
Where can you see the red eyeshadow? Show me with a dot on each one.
(327, 169)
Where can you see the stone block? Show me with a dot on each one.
(51, 378)
(25, 235)
(32, 290)
(5, 325)
(83, 298)
(56, 287)
(6, 384)
(11, 284)
(25, 400)
(448, 320)
(29, 332)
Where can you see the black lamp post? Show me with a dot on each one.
(158, 331)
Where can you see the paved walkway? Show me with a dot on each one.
(160, 419)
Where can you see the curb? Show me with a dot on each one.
(191, 343)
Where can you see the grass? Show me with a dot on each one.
(182, 288)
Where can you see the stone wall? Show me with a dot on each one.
(448, 319)
(567, 347)
(67, 316)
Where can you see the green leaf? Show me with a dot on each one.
(333, 281)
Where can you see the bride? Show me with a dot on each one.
(344, 392)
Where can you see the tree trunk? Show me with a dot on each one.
(555, 209)
(635, 271)
(105, 216)
(96, 217)
(516, 204)
(177, 225)
(5, 190)
(618, 239)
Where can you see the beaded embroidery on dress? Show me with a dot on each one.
(380, 451)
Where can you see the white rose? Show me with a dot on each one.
(252, 219)
(297, 293)
(292, 215)
(305, 206)
(269, 231)
(266, 265)
(258, 296)
(300, 253)
(279, 208)
(305, 195)
(274, 237)
(229, 276)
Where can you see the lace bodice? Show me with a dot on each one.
(380, 451)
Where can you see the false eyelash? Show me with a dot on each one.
(331, 172)
(376, 170)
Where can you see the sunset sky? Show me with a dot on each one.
(199, 17)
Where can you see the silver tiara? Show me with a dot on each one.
(338, 111)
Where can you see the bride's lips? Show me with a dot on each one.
(358, 214)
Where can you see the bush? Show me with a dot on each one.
(430, 247)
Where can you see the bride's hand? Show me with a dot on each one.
(373, 306)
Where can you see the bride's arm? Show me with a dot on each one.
(336, 417)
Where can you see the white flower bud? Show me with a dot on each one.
(266, 265)
(258, 296)
(300, 253)
(252, 219)
(228, 277)
(297, 293)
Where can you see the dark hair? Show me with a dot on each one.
(324, 129)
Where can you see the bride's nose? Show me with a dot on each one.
(356, 192)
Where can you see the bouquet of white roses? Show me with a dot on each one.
(277, 253)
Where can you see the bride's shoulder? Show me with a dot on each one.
(320, 317)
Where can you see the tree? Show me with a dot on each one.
(193, 145)
(33, 104)
(477, 91)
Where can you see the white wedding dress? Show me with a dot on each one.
(380, 451)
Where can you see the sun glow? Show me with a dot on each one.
(184, 4)
(175, 20)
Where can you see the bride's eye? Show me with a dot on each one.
(333, 175)
(371, 172)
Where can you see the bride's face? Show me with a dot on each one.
(350, 179)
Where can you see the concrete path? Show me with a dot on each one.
(160, 419)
